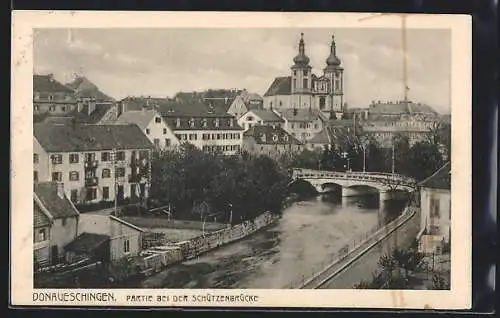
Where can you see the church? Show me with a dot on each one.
(305, 90)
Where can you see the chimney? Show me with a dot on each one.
(60, 190)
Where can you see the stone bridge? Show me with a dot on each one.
(356, 183)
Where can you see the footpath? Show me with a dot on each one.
(341, 264)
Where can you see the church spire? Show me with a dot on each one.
(301, 59)
(333, 60)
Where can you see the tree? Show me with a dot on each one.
(422, 161)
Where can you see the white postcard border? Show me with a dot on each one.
(459, 297)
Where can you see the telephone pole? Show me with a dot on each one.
(113, 155)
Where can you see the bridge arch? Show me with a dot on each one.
(301, 186)
(329, 187)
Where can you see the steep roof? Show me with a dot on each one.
(78, 137)
(268, 135)
(141, 118)
(58, 207)
(321, 138)
(85, 88)
(267, 115)
(280, 86)
(300, 114)
(190, 109)
(47, 83)
(441, 179)
(86, 242)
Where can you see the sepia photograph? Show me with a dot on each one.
(222, 158)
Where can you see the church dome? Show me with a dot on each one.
(333, 60)
(301, 59)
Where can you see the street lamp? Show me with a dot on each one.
(345, 156)
(230, 213)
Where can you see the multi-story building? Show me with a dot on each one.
(203, 126)
(260, 117)
(301, 123)
(435, 207)
(93, 160)
(245, 102)
(55, 223)
(305, 90)
(152, 125)
(385, 120)
(51, 97)
(270, 141)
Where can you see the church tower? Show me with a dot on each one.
(335, 74)
(301, 78)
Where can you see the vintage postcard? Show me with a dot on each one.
(241, 159)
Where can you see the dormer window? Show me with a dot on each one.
(37, 95)
(204, 122)
(216, 122)
(191, 122)
(275, 137)
(231, 122)
(157, 120)
(178, 122)
(250, 118)
(51, 98)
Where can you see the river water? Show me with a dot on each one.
(308, 235)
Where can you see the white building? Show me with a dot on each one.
(302, 124)
(261, 117)
(152, 125)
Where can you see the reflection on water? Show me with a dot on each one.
(309, 234)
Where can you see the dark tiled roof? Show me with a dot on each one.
(57, 207)
(401, 108)
(85, 89)
(280, 86)
(94, 117)
(86, 243)
(221, 93)
(320, 138)
(199, 123)
(40, 219)
(267, 115)
(190, 109)
(138, 103)
(268, 135)
(81, 137)
(441, 179)
(300, 114)
(46, 83)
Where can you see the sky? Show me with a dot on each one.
(161, 62)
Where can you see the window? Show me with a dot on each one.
(35, 176)
(106, 173)
(147, 131)
(191, 122)
(178, 122)
(305, 72)
(57, 176)
(91, 194)
(105, 156)
(294, 83)
(51, 98)
(52, 108)
(105, 193)
(126, 246)
(89, 157)
(164, 131)
(63, 108)
(42, 235)
(217, 122)
(167, 142)
(315, 126)
(35, 158)
(74, 196)
(74, 176)
(293, 126)
(305, 83)
(120, 172)
(294, 73)
(250, 118)
(37, 108)
(156, 142)
(281, 103)
(73, 158)
(120, 156)
(434, 208)
(157, 120)
(322, 103)
(56, 159)
(143, 154)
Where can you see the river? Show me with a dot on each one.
(309, 233)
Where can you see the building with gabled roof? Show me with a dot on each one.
(55, 223)
(52, 97)
(152, 125)
(435, 207)
(305, 90)
(302, 123)
(94, 162)
(85, 89)
(270, 141)
(260, 117)
(245, 102)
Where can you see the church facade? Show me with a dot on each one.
(304, 89)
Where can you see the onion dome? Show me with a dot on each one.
(301, 58)
(333, 60)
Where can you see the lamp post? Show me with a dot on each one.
(364, 158)
(345, 155)
(393, 156)
(230, 214)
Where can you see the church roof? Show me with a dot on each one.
(280, 86)
(300, 114)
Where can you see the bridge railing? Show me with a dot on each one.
(366, 176)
